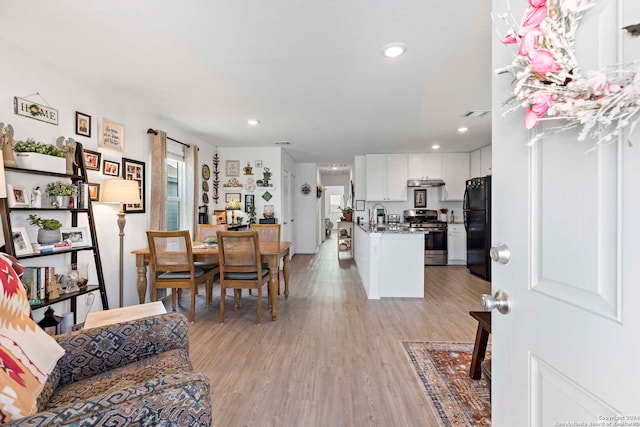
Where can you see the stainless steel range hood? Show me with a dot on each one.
(425, 183)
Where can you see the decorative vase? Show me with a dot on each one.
(348, 217)
(62, 201)
(46, 237)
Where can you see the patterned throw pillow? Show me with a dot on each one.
(27, 354)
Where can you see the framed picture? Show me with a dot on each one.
(76, 236)
(233, 197)
(359, 205)
(92, 160)
(420, 198)
(110, 168)
(21, 242)
(111, 135)
(233, 168)
(18, 197)
(249, 200)
(221, 216)
(83, 124)
(133, 170)
(94, 192)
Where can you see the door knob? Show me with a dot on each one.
(500, 301)
(500, 253)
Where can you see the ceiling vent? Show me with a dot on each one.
(282, 143)
(476, 113)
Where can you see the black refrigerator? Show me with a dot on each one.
(477, 222)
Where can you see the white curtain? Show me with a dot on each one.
(189, 211)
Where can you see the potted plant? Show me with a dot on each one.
(252, 214)
(31, 154)
(49, 229)
(347, 213)
(61, 191)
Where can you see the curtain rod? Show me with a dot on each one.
(169, 138)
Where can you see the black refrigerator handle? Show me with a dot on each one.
(465, 215)
(465, 202)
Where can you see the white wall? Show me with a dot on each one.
(307, 210)
(22, 75)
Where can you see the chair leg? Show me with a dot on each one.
(179, 298)
(192, 317)
(259, 305)
(209, 292)
(173, 299)
(222, 295)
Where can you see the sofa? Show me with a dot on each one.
(131, 373)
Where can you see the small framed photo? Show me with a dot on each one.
(233, 197)
(359, 205)
(76, 236)
(233, 168)
(92, 160)
(420, 198)
(94, 192)
(83, 124)
(21, 242)
(258, 163)
(133, 170)
(249, 200)
(111, 135)
(110, 168)
(221, 216)
(18, 197)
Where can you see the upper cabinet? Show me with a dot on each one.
(455, 172)
(359, 184)
(386, 177)
(424, 166)
(481, 162)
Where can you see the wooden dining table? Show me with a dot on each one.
(270, 252)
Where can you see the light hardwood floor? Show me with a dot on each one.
(333, 357)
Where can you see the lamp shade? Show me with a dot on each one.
(120, 191)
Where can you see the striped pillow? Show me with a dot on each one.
(27, 354)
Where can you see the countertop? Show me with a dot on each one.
(385, 229)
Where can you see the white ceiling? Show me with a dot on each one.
(312, 72)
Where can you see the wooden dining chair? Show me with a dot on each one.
(208, 230)
(268, 233)
(172, 267)
(240, 265)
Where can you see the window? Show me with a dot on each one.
(175, 185)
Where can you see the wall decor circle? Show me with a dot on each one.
(305, 189)
(550, 84)
(205, 186)
(206, 172)
(205, 198)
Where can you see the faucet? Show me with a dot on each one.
(375, 212)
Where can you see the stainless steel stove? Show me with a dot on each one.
(435, 238)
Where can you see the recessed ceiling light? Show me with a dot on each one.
(435, 146)
(394, 50)
(253, 122)
(463, 129)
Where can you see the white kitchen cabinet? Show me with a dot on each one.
(424, 166)
(485, 161)
(457, 244)
(455, 172)
(475, 164)
(386, 177)
(359, 184)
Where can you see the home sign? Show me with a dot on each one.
(26, 108)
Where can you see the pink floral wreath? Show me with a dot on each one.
(549, 83)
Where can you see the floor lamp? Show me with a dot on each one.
(124, 192)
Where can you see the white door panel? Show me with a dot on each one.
(568, 350)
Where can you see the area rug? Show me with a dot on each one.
(442, 369)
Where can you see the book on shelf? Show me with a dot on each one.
(38, 280)
(82, 196)
(54, 247)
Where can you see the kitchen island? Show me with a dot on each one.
(390, 261)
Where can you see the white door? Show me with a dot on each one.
(287, 212)
(569, 349)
